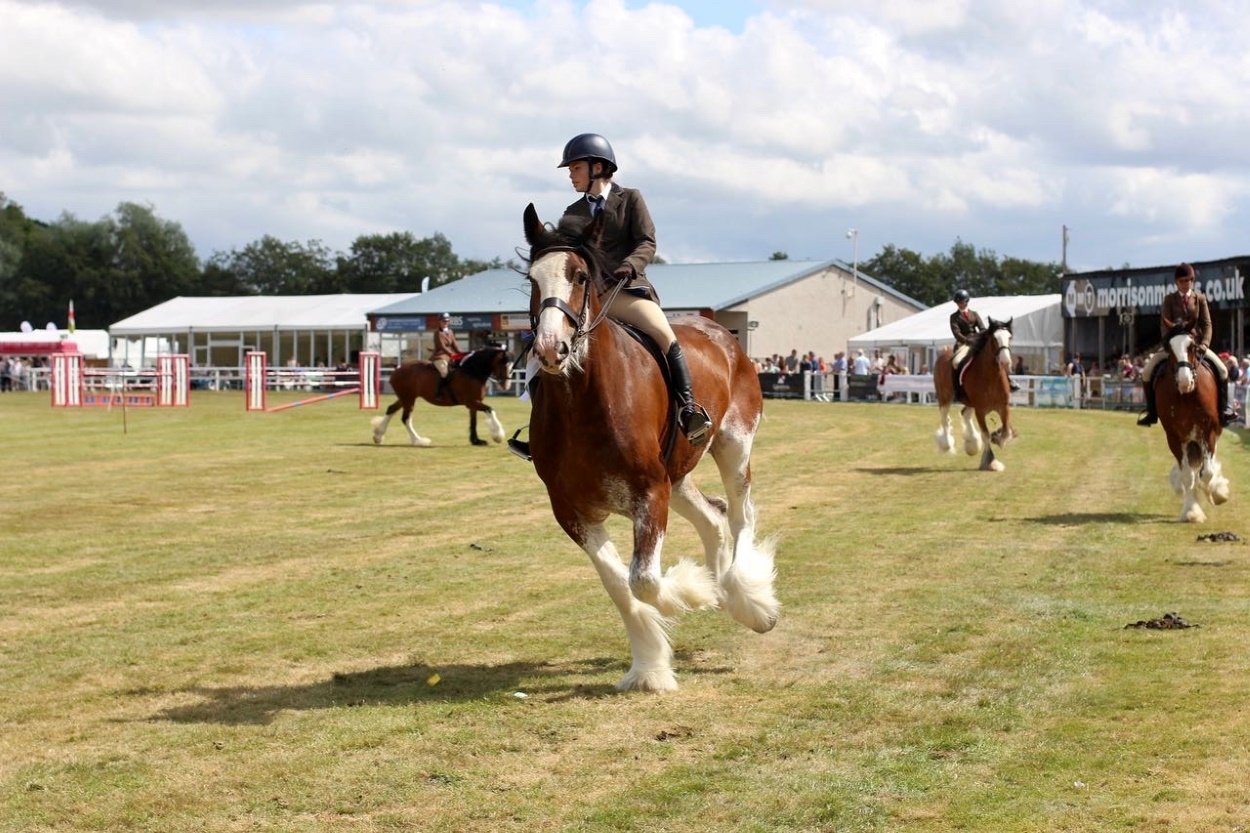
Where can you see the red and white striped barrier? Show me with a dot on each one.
(75, 386)
(173, 380)
(67, 381)
(258, 379)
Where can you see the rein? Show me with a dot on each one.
(581, 328)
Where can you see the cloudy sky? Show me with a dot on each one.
(751, 126)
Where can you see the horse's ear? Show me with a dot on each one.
(533, 225)
(1007, 323)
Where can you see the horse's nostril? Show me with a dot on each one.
(562, 349)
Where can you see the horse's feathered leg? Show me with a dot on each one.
(416, 438)
(709, 518)
(380, 423)
(747, 586)
(686, 586)
(988, 461)
(651, 668)
(492, 422)
(944, 436)
(972, 437)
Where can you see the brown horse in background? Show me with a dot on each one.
(986, 389)
(1189, 413)
(604, 441)
(466, 385)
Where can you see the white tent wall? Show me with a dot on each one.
(219, 331)
(1037, 332)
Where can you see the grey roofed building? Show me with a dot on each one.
(774, 306)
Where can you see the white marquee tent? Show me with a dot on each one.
(1037, 331)
(221, 330)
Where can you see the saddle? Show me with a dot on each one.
(671, 429)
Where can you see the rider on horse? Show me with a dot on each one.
(628, 243)
(1186, 307)
(965, 325)
(445, 350)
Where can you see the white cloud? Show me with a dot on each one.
(988, 121)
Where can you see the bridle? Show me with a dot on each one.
(581, 326)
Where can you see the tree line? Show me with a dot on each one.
(132, 259)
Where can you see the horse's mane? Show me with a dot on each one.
(571, 233)
(479, 363)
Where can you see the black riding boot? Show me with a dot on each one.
(694, 419)
(1227, 415)
(1152, 415)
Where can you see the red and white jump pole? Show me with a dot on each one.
(257, 375)
(67, 380)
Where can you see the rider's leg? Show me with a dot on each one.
(957, 359)
(441, 366)
(1227, 414)
(647, 316)
(1148, 389)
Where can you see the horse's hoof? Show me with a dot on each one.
(479, 442)
(377, 440)
(657, 679)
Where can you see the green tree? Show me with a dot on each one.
(270, 266)
(934, 280)
(15, 227)
(393, 262)
(152, 260)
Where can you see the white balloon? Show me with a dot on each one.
(26, 328)
(51, 326)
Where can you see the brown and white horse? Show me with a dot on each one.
(986, 389)
(1189, 412)
(466, 385)
(604, 442)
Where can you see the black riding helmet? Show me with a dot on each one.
(592, 147)
(962, 295)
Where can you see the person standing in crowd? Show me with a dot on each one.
(1186, 307)
(861, 366)
(628, 244)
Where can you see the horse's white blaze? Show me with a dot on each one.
(1003, 339)
(554, 328)
(1186, 379)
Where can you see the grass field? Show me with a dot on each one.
(220, 621)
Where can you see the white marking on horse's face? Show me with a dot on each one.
(1179, 347)
(1003, 339)
(551, 339)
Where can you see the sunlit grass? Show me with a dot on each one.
(213, 620)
